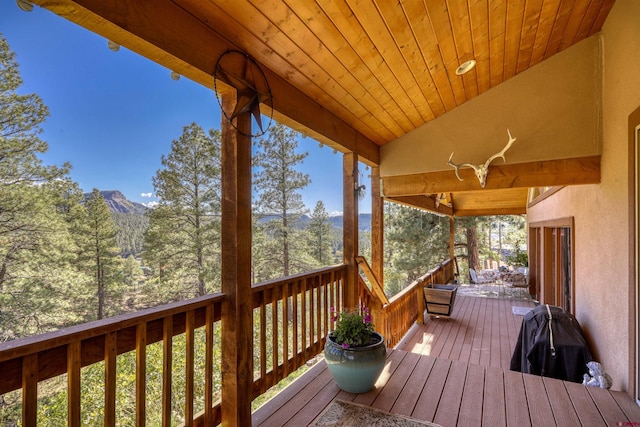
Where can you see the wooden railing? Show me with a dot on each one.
(292, 318)
(281, 346)
(406, 307)
(27, 362)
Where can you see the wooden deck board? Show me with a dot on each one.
(561, 406)
(409, 395)
(472, 397)
(588, 413)
(515, 400)
(608, 407)
(493, 405)
(539, 406)
(449, 406)
(465, 388)
(432, 391)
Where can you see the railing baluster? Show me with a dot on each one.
(274, 334)
(110, 352)
(303, 310)
(73, 384)
(296, 341)
(167, 359)
(325, 289)
(285, 329)
(189, 367)
(30, 390)
(311, 320)
(208, 366)
(141, 374)
(263, 341)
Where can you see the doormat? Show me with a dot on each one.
(342, 413)
(521, 311)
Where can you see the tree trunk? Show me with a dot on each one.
(472, 247)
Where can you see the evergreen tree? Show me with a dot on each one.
(320, 236)
(182, 243)
(35, 267)
(100, 256)
(131, 228)
(280, 204)
(416, 241)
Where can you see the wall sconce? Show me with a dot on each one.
(175, 76)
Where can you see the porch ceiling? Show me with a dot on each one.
(354, 74)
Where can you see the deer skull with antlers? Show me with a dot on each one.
(482, 170)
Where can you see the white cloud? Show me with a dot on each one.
(146, 194)
(150, 205)
(335, 213)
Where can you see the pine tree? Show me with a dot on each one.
(320, 236)
(280, 204)
(100, 256)
(415, 242)
(35, 268)
(182, 243)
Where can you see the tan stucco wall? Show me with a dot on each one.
(552, 110)
(602, 271)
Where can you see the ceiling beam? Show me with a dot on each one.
(191, 48)
(491, 211)
(422, 202)
(548, 173)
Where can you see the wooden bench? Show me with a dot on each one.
(439, 299)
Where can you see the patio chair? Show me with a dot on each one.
(518, 280)
(476, 280)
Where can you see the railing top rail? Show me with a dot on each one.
(296, 277)
(33, 344)
(420, 281)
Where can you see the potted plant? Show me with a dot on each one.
(354, 352)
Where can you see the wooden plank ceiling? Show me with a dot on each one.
(355, 74)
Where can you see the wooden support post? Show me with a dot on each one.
(350, 228)
(377, 227)
(237, 324)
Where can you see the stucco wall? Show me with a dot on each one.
(552, 110)
(602, 271)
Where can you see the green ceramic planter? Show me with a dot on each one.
(355, 370)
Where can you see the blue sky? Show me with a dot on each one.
(114, 114)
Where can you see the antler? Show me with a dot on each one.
(450, 163)
(481, 171)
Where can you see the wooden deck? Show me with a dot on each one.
(481, 331)
(455, 373)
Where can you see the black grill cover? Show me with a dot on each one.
(533, 352)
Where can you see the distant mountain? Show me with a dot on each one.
(336, 221)
(117, 202)
(130, 220)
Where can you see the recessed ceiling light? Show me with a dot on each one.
(465, 67)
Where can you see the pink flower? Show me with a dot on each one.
(345, 345)
(368, 318)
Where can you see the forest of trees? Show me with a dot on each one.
(67, 259)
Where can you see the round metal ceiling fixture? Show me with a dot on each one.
(242, 72)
